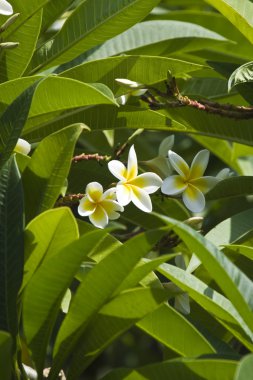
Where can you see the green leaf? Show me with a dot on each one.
(242, 79)
(95, 290)
(52, 10)
(89, 25)
(26, 35)
(215, 303)
(45, 236)
(234, 283)
(241, 250)
(238, 13)
(12, 244)
(156, 324)
(113, 319)
(5, 355)
(13, 120)
(180, 369)
(153, 38)
(244, 368)
(46, 289)
(46, 172)
(232, 230)
(231, 187)
(142, 69)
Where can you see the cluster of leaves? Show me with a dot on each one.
(69, 290)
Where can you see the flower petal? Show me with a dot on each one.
(128, 83)
(111, 208)
(173, 185)
(193, 199)
(166, 145)
(110, 194)
(124, 194)
(94, 191)
(150, 182)
(86, 207)
(5, 8)
(141, 199)
(223, 174)
(99, 217)
(23, 147)
(139, 92)
(123, 99)
(204, 184)
(179, 164)
(199, 164)
(117, 169)
(132, 165)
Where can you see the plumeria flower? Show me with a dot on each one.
(23, 147)
(99, 206)
(134, 89)
(224, 174)
(5, 8)
(190, 181)
(134, 187)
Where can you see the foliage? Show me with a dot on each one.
(92, 85)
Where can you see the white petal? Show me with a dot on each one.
(193, 199)
(111, 208)
(110, 194)
(166, 145)
(179, 164)
(99, 217)
(199, 164)
(150, 182)
(22, 146)
(204, 184)
(141, 199)
(173, 185)
(223, 174)
(139, 92)
(94, 191)
(128, 82)
(117, 169)
(132, 165)
(86, 207)
(123, 99)
(5, 8)
(124, 194)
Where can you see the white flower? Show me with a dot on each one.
(99, 206)
(135, 89)
(5, 8)
(22, 146)
(190, 181)
(134, 187)
(224, 174)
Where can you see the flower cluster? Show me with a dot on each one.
(189, 182)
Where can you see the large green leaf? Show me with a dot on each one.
(238, 13)
(46, 289)
(180, 369)
(233, 282)
(46, 172)
(245, 368)
(154, 38)
(89, 25)
(232, 187)
(27, 35)
(52, 10)
(45, 235)
(215, 303)
(113, 319)
(232, 230)
(241, 79)
(95, 290)
(173, 330)
(5, 355)
(142, 69)
(13, 120)
(12, 244)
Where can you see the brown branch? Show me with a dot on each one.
(86, 157)
(69, 200)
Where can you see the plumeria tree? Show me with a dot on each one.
(126, 169)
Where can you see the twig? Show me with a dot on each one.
(86, 157)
